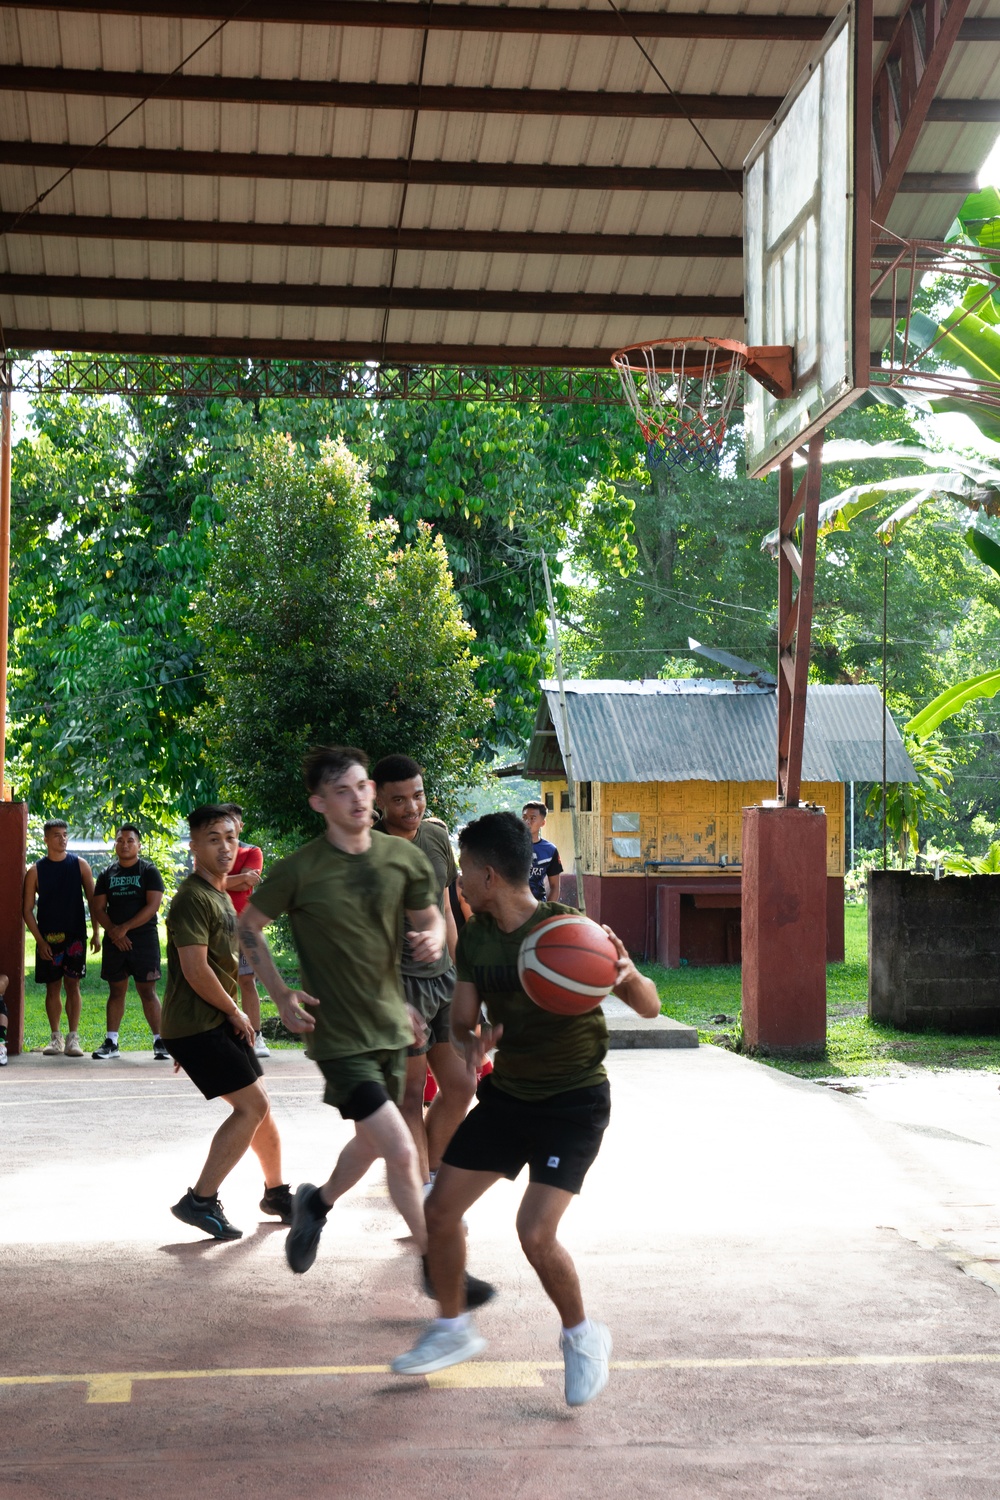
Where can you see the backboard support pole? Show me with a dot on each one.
(795, 609)
(903, 90)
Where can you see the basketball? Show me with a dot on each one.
(567, 965)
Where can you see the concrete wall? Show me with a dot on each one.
(934, 951)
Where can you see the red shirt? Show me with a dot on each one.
(248, 857)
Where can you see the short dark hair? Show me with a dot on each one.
(209, 812)
(502, 840)
(128, 828)
(395, 768)
(234, 808)
(329, 762)
(538, 807)
(54, 823)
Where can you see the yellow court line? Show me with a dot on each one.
(116, 1385)
(180, 1093)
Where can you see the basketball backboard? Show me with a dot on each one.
(806, 242)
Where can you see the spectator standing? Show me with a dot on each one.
(545, 861)
(3, 1020)
(240, 883)
(59, 882)
(127, 897)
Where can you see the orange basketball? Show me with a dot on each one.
(567, 965)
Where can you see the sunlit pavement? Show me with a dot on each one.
(798, 1283)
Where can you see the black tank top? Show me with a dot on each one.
(60, 896)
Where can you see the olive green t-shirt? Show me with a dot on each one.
(540, 1054)
(199, 917)
(346, 913)
(431, 838)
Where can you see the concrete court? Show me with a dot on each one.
(781, 1266)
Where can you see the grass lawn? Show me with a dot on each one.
(855, 1045)
(134, 1034)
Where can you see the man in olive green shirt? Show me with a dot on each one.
(428, 987)
(545, 1106)
(200, 999)
(346, 896)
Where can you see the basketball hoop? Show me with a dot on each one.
(683, 391)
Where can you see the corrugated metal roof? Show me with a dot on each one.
(81, 39)
(695, 730)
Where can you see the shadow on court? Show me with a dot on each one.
(797, 1283)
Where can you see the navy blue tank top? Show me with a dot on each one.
(60, 897)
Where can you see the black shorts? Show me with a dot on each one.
(217, 1061)
(69, 959)
(140, 962)
(558, 1138)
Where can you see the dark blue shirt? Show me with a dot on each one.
(544, 861)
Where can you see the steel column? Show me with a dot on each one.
(795, 614)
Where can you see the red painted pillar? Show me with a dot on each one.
(13, 852)
(668, 927)
(784, 929)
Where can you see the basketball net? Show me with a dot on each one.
(682, 392)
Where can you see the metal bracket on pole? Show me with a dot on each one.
(795, 614)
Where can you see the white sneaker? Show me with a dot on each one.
(586, 1359)
(73, 1048)
(3, 1054)
(55, 1047)
(260, 1047)
(437, 1348)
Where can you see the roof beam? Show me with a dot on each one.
(409, 298)
(397, 169)
(28, 340)
(215, 89)
(527, 20)
(368, 237)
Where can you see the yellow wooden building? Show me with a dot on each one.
(663, 771)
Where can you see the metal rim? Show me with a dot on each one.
(731, 354)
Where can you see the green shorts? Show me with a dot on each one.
(346, 1075)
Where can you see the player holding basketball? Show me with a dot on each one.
(546, 1104)
(346, 895)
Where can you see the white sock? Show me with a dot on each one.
(72, 1033)
(453, 1325)
(55, 1034)
(113, 1037)
(571, 1333)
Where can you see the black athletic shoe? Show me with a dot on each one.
(277, 1202)
(477, 1293)
(207, 1214)
(107, 1049)
(160, 1052)
(308, 1217)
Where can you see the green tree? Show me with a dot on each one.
(318, 627)
(499, 484)
(105, 668)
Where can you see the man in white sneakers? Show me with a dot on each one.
(546, 1106)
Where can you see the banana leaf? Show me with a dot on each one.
(984, 547)
(952, 700)
(837, 513)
